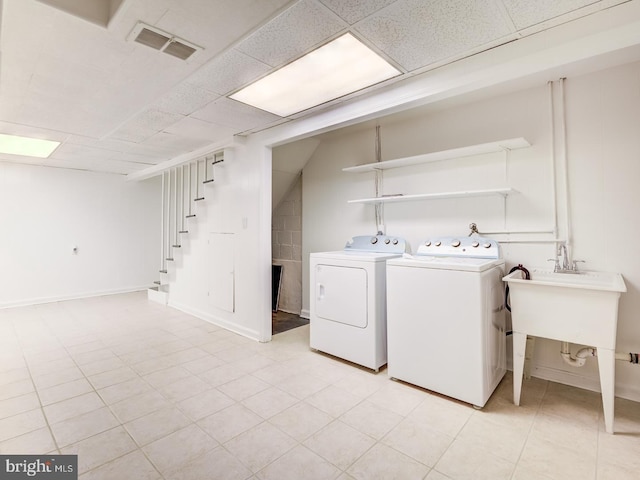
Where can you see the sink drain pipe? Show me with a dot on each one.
(581, 356)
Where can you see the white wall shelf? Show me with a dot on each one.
(504, 192)
(509, 144)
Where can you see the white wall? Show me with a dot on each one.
(45, 212)
(603, 114)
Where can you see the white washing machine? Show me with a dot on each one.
(445, 318)
(348, 299)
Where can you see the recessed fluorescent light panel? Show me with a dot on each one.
(27, 147)
(340, 67)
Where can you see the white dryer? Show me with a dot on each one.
(348, 299)
(445, 318)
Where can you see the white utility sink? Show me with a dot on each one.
(579, 308)
(582, 279)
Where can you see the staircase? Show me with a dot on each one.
(182, 186)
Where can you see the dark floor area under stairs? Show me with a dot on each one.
(283, 321)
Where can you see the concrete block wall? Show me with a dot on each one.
(286, 244)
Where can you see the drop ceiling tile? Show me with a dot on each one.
(133, 134)
(77, 153)
(44, 111)
(23, 29)
(83, 43)
(79, 164)
(152, 119)
(417, 33)
(236, 115)
(353, 11)
(228, 72)
(194, 128)
(173, 145)
(118, 166)
(73, 86)
(525, 13)
(184, 99)
(114, 146)
(69, 151)
(118, 147)
(134, 158)
(217, 25)
(291, 34)
(30, 131)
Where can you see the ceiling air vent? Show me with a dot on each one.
(163, 41)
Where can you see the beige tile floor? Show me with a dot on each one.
(142, 391)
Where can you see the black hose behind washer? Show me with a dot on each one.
(527, 276)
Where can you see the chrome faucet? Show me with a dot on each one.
(562, 251)
(567, 265)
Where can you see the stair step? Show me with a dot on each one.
(157, 282)
(169, 259)
(163, 271)
(208, 181)
(198, 199)
(183, 231)
(176, 246)
(190, 216)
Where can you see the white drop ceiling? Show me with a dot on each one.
(121, 107)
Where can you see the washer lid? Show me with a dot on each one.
(466, 264)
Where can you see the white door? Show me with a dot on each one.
(341, 294)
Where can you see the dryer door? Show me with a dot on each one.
(341, 294)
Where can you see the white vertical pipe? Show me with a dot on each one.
(162, 257)
(197, 178)
(507, 156)
(168, 233)
(190, 182)
(566, 167)
(182, 209)
(553, 158)
(176, 206)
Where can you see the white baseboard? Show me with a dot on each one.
(220, 322)
(74, 296)
(305, 314)
(588, 383)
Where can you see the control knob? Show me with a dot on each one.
(475, 244)
(386, 241)
(455, 243)
(374, 240)
(438, 243)
(487, 245)
(427, 244)
(395, 241)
